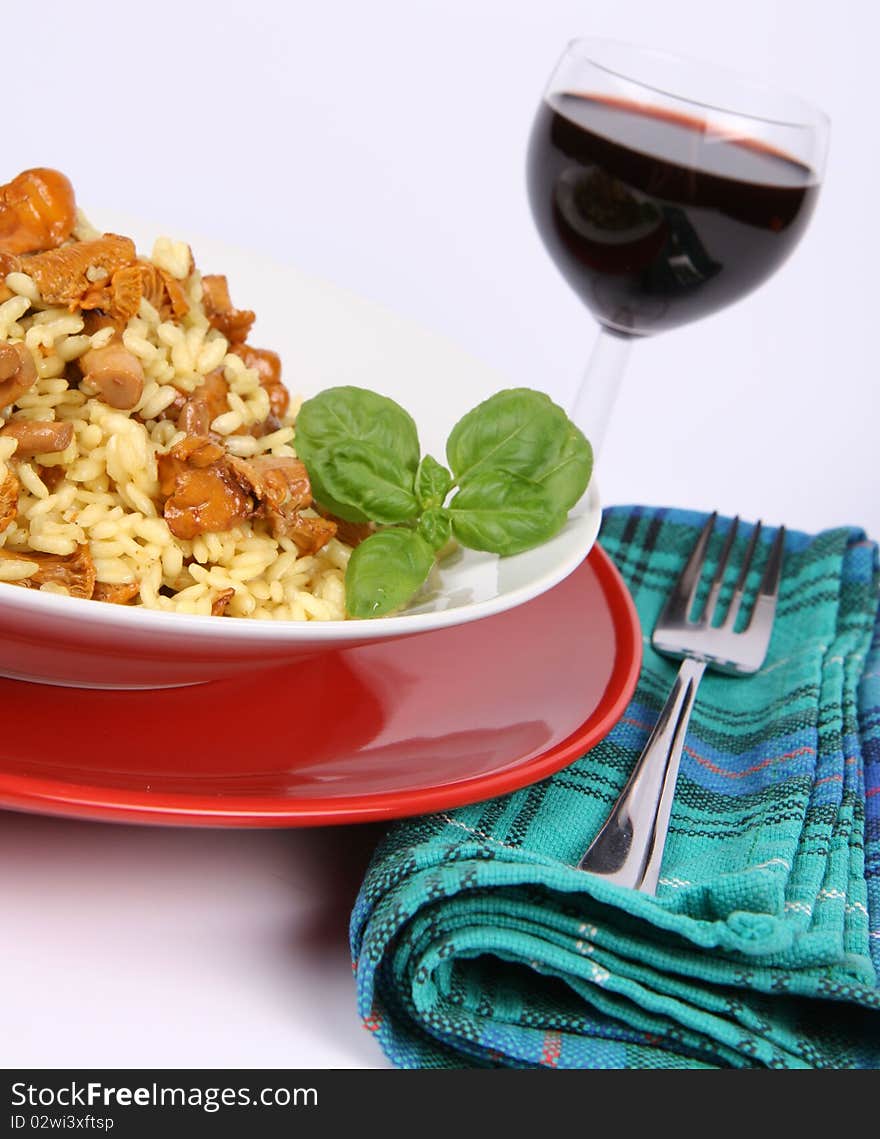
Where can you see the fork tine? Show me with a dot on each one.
(740, 587)
(773, 569)
(718, 579)
(681, 599)
(768, 591)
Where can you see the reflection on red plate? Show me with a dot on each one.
(393, 729)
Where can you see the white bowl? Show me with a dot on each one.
(326, 336)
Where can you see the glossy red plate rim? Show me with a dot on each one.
(97, 803)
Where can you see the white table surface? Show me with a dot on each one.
(381, 145)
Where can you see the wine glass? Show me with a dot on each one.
(664, 189)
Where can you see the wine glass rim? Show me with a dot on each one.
(816, 115)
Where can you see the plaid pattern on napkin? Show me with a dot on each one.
(477, 944)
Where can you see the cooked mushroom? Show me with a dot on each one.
(76, 571)
(104, 275)
(36, 437)
(119, 294)
(204, 501)
(351, 533)
(202, 495)
(235, 324)
(95, 320)
(52, 477)
(164, 292)
(9, 361)
(9, 489)
(21, 373)
(207, 402)
(221, 601)
(116, 594)
(37, 211)
(282, 490)
(116, 373)
(194, 418)
(278, 482)
(65, 276)
(268, 367)
(309, 534)
(196, 452)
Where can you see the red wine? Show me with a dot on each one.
(655, 218)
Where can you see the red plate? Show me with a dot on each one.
(393, 729)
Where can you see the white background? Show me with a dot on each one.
(381, 145)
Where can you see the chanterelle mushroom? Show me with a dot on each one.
(76, 571)
(282, 490)
(37, 211)
(9, 489)
(63, 275)
(234, 323)
(205, 500)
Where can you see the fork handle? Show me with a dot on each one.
(629, 847)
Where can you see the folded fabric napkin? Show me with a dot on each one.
(477, 944)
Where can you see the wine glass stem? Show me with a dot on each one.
(595, 398)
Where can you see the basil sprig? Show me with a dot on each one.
(517, 465)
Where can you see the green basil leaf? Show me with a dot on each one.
(433, 482)
(523, 432)
(384, 571)
(512, 430)
(339, 415)
(568, 475)
(328, 423)
(366, 483)
(435, 526)
(504, 513)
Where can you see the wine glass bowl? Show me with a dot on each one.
(665, 189)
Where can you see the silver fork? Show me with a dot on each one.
(629, 847)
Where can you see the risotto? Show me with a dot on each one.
(146, 447)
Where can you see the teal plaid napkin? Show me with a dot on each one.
(476, 943)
